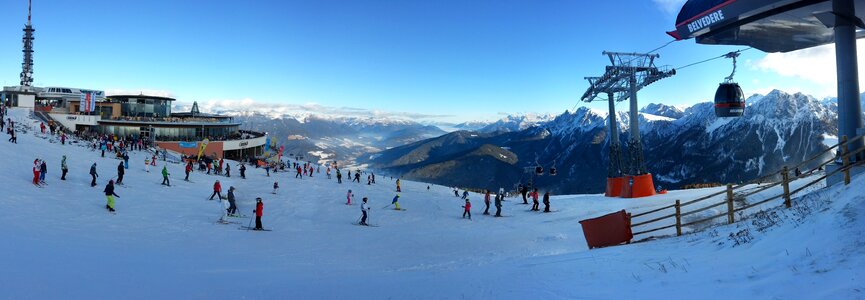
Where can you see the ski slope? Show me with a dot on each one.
(60, 243)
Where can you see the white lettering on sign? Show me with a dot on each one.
(705, 21)
(71, 118)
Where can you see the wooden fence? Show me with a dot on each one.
(679, 209)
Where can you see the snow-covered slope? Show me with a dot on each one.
(163, 243)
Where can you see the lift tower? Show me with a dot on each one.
(27, 65)
(623, 78)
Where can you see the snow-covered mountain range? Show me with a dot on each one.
(680, 147)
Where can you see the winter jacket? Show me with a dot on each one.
(468, 206)
(188, 168)
(93, 170)
(165, 171)
(231, 196)
(546, 198)
(499, 200)
(487, 198)
(43, 168)
(109, 190)
(364, 207)
(395, 199)
(63, 164)
(120, 169)
(217, 187)
(259, 209)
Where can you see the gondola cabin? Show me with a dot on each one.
(729, 100)
(539, 170)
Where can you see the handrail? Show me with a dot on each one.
(786, 194)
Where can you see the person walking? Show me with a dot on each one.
(243, 171)
(188, 170)
(147, 164)
(217, 189)
(259, 211)
(109, 195)
(165, 174)
(63, 168)
(468, 209)
(120, 173)
(93, 174)
(227, 170)
(338, 177)
(125, 160)
(524, 190)
(547, 202)
(487, 202)
(275, 187)
(499, 205)
(364, 209)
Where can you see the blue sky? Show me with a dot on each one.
(430, 60)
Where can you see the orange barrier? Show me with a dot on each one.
(642, 186)
(614, 186)
(608, 230)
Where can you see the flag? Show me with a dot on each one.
(203, 145)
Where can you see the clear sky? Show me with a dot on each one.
(444, 60)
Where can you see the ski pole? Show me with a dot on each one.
(250, 223)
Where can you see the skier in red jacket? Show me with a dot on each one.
(217, 188)
(259, 211)
(468, 210)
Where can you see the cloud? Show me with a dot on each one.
(301, 110)
(669, 7)
(815, 64)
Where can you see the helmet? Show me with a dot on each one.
(111, 181)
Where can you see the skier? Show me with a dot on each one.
(93, 174)
(36, 169)
(298, 173)
(63, 168)
(267, 168)
(217, 189)
(43, 169)
(395, 202)
(227, 170)
(120, 172)
(356, 177)
(109, 194)
(499, 205)
(165, 174)
(348, 197)
(364, 208)
(468, 209)
(243, 171)
(63, 138)
(125, 160)
(259, 211)
(188, 170)
(487, 202)
(465, 194)
(328, 172)
(338, 176)
(232, 207)
(147, 164)
(535, 204)
(456, 193)
(373, 177)
(397, 187)
(547, 202)
(275, 187)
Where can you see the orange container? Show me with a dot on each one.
(626, 187)
(608, 230)
(614, 186)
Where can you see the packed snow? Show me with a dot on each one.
(164, 242)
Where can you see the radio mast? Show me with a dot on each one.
(27, 65)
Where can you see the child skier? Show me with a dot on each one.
(547, 202)
(364, 208)
(43, 170)
(395, 202)
(275, 187)
(109, 194)
(147, 164)
(397, 187)
(217, 189)
(468, 210)
(165, 174)
(36, 170)
(348, 198)
(535, 203)
(63, 168)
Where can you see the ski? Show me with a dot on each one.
(238, 216)
(367, 225)
(253, 229)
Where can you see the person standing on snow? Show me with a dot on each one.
(338, 177)
(547, 201)
(125, 160)
(217, 189)
(395, 202)
(298, 173)
(487, 202)
(524, 190)
(232, 207)
(93, 174)
(242, 171)
(120, 173)
(165, 174)
(259, 211)
(188, 170)
(109, 194)
(147, 164)
(356, 177)
(535, 203)
(275, 187)
(364, 208)
(36, 169)
(227, 170)
(398, 190)
(499, 205)
(468, 209)
(63, 168)
(348, 197)
(465, 194)
(43, 169)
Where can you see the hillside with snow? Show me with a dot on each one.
(164, 242)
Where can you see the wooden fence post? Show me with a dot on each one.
(845, 160)
(678, 218)
(785, 177)
(730, 219)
